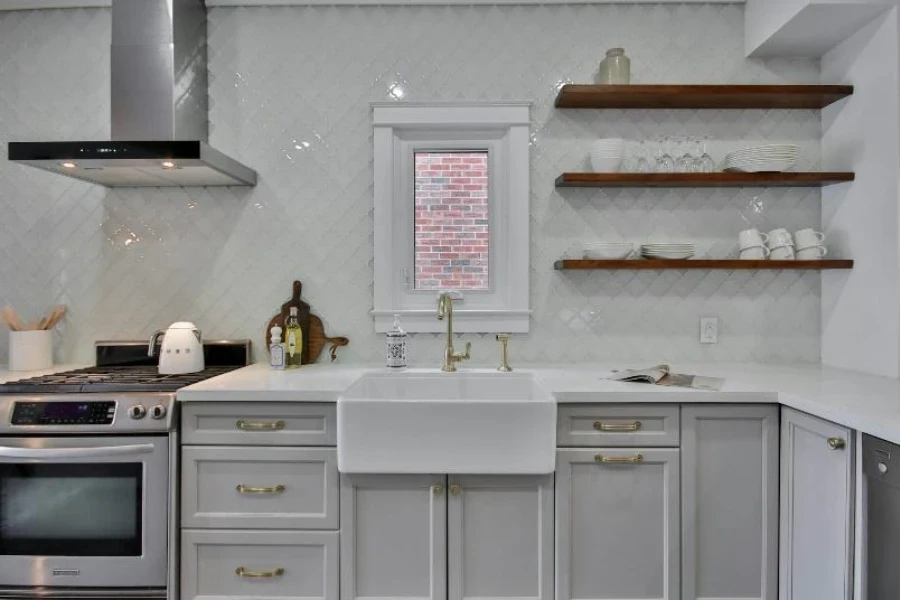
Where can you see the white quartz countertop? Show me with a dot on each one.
(863, 402)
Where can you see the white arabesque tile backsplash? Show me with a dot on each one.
(290, 89)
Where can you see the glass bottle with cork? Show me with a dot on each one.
(293, 340)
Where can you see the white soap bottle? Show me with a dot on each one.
(395, 341)
(276, 349)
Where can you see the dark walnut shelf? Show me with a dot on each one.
(700, 180)
(702, 264)
(701, 96)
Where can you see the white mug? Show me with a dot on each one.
(755, 253)
(814, 253)
(779, 237)
(750, 238)
(807, 238)
(782, 253)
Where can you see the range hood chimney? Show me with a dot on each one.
(159, 107)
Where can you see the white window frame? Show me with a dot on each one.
(502, 129)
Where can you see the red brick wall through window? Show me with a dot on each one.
(452, 236)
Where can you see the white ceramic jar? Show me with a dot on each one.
(615, 69)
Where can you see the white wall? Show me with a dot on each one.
(861, 309)
(765, 17)
(128, 262)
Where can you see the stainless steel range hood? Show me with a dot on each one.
(159, 107)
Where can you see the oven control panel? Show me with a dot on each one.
(100, 412)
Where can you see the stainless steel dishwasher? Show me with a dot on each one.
(881, 466)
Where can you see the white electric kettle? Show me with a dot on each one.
(181, 351)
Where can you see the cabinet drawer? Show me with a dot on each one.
(618, 425)
(259, 488)
(259, 424)
(272, 564)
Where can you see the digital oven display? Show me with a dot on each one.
(63, 413)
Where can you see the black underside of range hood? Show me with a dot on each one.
(136, 164)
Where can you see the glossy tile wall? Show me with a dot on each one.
(289, 91)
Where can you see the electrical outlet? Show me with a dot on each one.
(709, 330)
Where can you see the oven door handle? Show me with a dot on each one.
(58, 453)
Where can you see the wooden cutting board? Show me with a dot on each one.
(314, 338)
(303, 315)
(318, 339)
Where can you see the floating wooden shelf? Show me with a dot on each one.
(700, 96)
(705, 264)
(701, 180)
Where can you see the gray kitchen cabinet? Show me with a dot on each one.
(394, 537)
(259, 487)
(500, 537)
(605, 425)
(817, 508)
(235, 565)
(618, 524)
(729, 461)
(259, 424)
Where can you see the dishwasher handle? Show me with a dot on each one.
(881, 460)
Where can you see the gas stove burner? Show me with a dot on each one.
(125, 367)
(110, 379)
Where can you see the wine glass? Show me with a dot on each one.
(643, 164)
(664, 161)
(697, 155)
(685, 163)
(707, 162)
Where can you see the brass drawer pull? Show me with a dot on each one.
(455, 489)
(249, 489)
(633, 426)
(619, 460)
(260, 426)
(437, 489)
(836, 443)
(243, 572)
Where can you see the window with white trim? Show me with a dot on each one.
(452, 215)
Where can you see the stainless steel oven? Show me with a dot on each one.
(85, 511)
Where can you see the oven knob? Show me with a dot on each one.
(137, 411)
(158, 412)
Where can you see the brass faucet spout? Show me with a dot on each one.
(451, 357)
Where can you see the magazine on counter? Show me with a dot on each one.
(662, 375)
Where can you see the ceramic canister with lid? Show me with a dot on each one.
(615, 69)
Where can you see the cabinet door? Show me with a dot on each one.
(729, 461)
(618, 524)
(393, 537)
(500, 537)
(817, 508)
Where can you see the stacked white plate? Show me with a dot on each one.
(607, 250)
(607, 155)
(772, 158)
(667, 251)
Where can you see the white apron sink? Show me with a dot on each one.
(446, 423)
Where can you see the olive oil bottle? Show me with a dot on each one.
(293, 340)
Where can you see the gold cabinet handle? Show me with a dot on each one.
(455, 489)
(260, 426)
(243, 572)
(249, 489)
(437, 489)
(837, 443)
(619, 460)
(633, 426)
